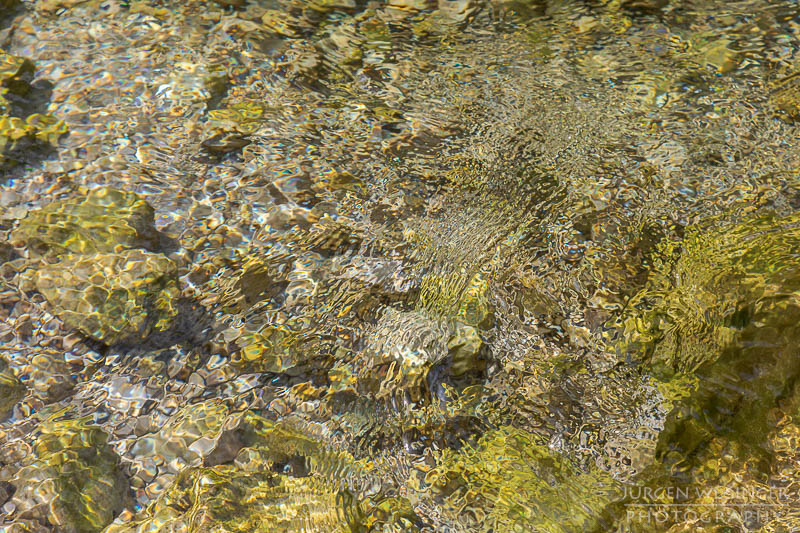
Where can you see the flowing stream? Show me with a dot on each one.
(399, 265)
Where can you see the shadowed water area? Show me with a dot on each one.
(402, 265)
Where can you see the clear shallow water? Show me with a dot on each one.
(465, 266)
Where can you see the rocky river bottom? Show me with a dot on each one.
(399, 266)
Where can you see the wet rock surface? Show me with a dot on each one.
(11, 390)
(112, 297)
(104, 220)
(335, 265)
(71, 480)
(23, 130)
(93, 273)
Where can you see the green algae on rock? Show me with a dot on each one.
(275, 349)
(721, 307)
(72, 481)
(228, 129)
(507, 481)
(105, 220)
(112, 297)
(716, 469)
(37, 127)
(229, 500)
(704, 291)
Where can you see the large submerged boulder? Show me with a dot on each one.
(104, 220)
(118, 297)
(97, 268)
(709, 290)
(72, 482)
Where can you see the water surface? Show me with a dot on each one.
(404, 265)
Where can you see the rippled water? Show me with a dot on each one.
(404, 265)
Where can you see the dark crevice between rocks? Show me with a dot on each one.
(17, 162)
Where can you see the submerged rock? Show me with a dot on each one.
(706, 291)
(281, 480)
(112, 297)
(508, 481)
(718, 323)
(20, 128)
(72, 482)
(50, 376)
(401, 355)
(6, 252)
(11, 390)
(105, 220)
(51, 6)
(282, 23)
(227, 499)
(93, 271)
(197, 84)
(228, 129)
(785, 97)
(16, 74)
(275, 349)
(211, 499)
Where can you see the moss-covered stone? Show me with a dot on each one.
(104, 220)
(72, 481)
(112, 297)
